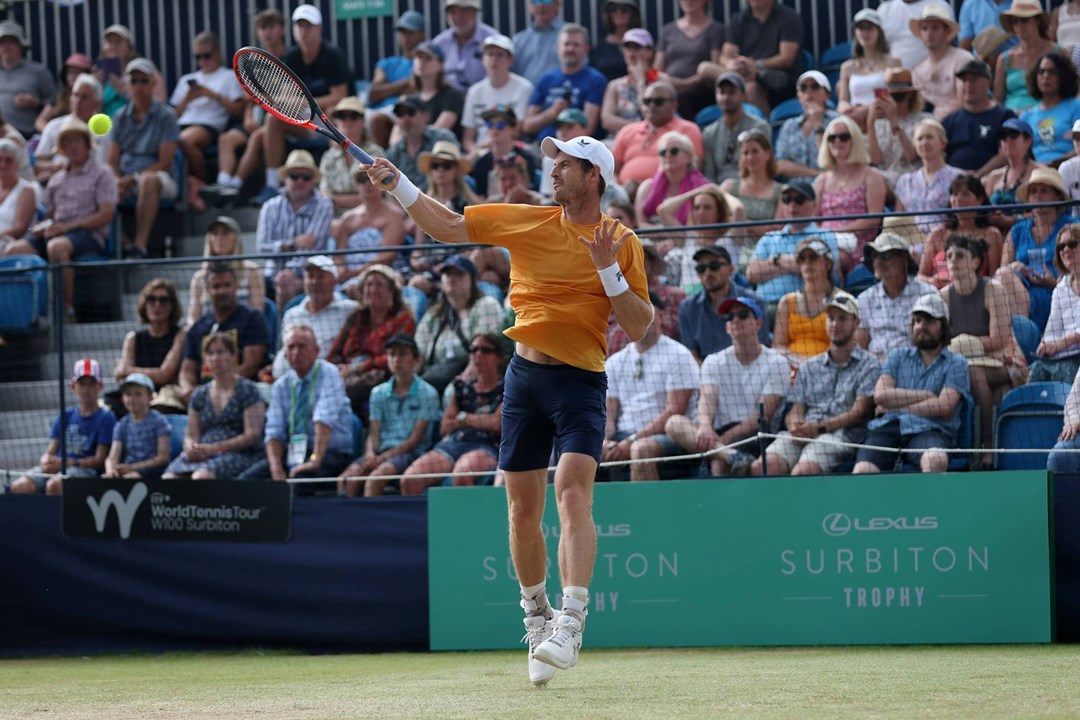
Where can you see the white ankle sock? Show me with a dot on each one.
(272, 179)
(534, 599)
(575, 599)
(223, 178)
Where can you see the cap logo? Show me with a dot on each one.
(583, 142)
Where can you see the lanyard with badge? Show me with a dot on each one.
(298, 442)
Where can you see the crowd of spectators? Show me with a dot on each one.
(757, 326)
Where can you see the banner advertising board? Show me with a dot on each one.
(177, 509)
(951, 558)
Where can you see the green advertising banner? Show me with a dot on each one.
(958, 558)
(355, 9)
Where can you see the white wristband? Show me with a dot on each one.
(614, 282)
(405, 192)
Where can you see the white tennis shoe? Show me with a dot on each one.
(562, 648)
(537, 630)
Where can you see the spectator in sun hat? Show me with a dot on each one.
(296, 220)
(886, 306)
(336, 165)
(27, 86)
(500, 88)
(935, 76)
(896, 17)
(88, 430)
(462, 43)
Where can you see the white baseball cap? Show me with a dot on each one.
(1075, 132)
(816, 76)
(323, 263)
(931, 304)
(307, 12)
(586, 148)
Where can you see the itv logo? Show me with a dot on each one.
(125, 508)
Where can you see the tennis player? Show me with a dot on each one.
(570, 267)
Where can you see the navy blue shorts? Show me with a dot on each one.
(889, 436)
(550, 405)
(83, 242)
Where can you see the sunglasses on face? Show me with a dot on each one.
(668, 151)
(347, 115)
(139, 80)
(1071, 244)
(203, 56)
(1047, 71)
(443, 165)
(654, 101)
(807, 257)
(405, 112)
(482, 349)
(495, 125)
(303, 177)
(713, 265)
(890, 255)
(741, 315)
(1009, 134)
(809, 87)
(158, 300)
(839, 137)
(796, 199)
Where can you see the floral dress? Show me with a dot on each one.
(218, 427)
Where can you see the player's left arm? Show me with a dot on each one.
(633, 313)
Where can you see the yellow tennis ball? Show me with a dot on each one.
(100, 124)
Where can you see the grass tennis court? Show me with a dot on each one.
(906, 682)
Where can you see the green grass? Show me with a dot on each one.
(908, 682)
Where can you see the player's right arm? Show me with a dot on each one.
(434, 218)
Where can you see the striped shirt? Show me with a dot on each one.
(279, 223)
(75, 194)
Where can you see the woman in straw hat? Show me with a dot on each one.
(891, 125)
(864, 74)
(445, 170)
(1031, 25)
(1026, 271)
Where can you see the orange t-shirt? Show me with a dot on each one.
(562, 309)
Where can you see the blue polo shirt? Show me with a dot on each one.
(398, 416)
(905, 366)
(704, 331)
(587, 85)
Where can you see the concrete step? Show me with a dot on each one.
(27, 424)
(87, 338)
(22, 454)
(21, 397)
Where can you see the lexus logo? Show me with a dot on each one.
(836, 524)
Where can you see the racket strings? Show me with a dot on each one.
(271, 86)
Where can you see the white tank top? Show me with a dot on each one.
(1068, 26)
(861, 87)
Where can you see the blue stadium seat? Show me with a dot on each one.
(24, 297)
(178, 423)
(807, 60)
(831, 60)
(965, 438)
(1030, 416)
(785, 110)
(860, 278)
(1027, 336)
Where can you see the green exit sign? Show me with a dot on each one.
(353, 9)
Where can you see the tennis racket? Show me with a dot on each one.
(278, 91)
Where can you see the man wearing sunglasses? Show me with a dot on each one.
(734, 382)
(417, 136)
(501, 88)
(635, 148)
(503, 149)
(572, 267)
(773, 268)
(702, 327)
(145, 137)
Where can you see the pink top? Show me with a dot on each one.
(847, 202)
(658, 192)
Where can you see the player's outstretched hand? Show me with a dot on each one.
(379, 171)
(604, 246)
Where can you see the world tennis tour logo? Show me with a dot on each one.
(125, 508)
(220, 510)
